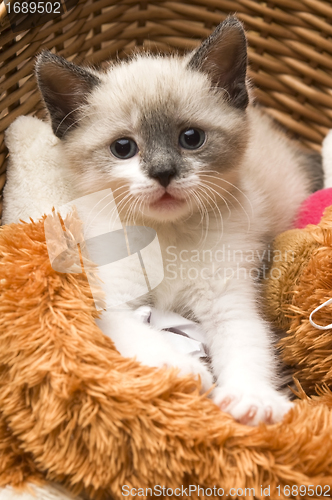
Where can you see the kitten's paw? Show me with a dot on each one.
(251, 407)
(194, 366)
(186, 364)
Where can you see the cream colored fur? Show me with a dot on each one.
(37, 175)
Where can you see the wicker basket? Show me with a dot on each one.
(290, 51)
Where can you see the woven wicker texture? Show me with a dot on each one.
(290, 49)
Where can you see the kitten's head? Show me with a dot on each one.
(165, 133)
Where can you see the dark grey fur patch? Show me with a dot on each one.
(64, 87)
(312, 166)
(223, 56)
(161, 151)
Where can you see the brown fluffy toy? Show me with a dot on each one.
(300, 280)
(74, 412)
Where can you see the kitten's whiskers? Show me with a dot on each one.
(213, 209)
(232, 195)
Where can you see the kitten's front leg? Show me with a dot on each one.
(243, 361)
(134, 339)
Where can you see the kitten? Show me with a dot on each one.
(186, 154)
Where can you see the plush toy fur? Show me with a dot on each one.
(75, 412)
(305, 283)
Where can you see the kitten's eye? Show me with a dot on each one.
(124, 148)
(193, 138)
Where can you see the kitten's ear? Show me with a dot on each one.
(64, 87)
(223, 56)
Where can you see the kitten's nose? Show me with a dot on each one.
(164, 176)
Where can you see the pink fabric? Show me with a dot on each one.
(312, 208)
